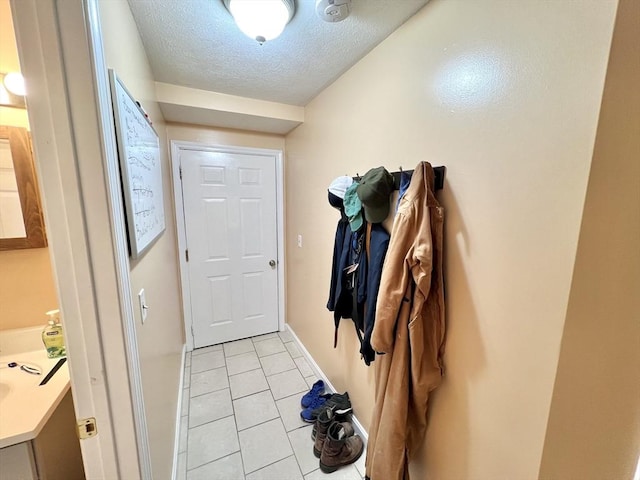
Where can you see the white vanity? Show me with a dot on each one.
(37, 422)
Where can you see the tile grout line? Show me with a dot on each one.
(244, 473)
(247, 371)
(205, 393)
(196, 353)
(273, 463)
(249, 394)
(278, 417)
(207, 370)
(253, 393)
(216, 459)
(264, 339)
(269, 389)
(261, 423)
(224, 359)
(210, 421)
(238, 354)
(285, 371)
(221, 418)
(265, 421)
(294, 452)
(235, 422)
(273, 353)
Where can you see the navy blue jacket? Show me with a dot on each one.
(358, 303)
(340, 262)
(369, 284)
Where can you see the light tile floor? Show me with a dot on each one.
(241, 414)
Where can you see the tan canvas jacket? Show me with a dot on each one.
(409, 329)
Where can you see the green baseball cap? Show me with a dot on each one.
(353, 207)
(374, 191)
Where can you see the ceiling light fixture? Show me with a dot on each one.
(12, 90)
(261, 20)
(14, 82)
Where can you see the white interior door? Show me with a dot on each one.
(231, 232)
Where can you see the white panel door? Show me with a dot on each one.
(231, 230)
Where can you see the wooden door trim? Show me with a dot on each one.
(28, 191)
(69, 107)
(176, 147)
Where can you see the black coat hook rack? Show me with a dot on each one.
(438, 180)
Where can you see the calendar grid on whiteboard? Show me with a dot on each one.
(140, 169)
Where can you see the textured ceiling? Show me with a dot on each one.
(195, 43)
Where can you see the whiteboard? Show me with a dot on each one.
(140, 169)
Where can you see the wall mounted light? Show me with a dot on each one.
(12, 90)
(261, 20)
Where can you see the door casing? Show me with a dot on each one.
(61, 53)
(176, 148)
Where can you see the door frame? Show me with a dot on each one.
(176, 147)
(61, 53)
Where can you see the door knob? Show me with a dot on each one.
(272, 263)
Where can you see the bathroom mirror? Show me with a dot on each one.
(21, 219)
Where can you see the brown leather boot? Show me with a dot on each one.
(326, 418)
(339, 449)
(338, 418)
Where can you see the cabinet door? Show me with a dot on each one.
(17, 462)
(57, 448)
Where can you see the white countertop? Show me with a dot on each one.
(25, 406)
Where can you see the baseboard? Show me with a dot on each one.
(357, 426)
(176, 439)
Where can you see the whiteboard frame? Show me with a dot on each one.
(137, 246)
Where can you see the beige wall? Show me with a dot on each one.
(161, 338)
(222, 136)
(506, 95)
(27, 288)
(594, 424)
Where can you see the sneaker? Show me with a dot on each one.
(310, 414)
(339, 403)
(316, 390)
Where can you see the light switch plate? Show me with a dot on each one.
(143, 305)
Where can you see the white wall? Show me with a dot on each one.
(161, 338)
(507, 96)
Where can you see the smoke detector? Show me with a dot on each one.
(333, 10)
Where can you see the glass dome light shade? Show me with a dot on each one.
(14, 82)
(261, 20)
